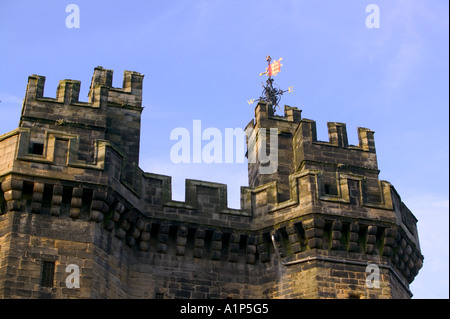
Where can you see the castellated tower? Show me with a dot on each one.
(76, 205)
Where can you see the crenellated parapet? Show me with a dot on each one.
(298, 149)
(336, 150)
(70, 177)
(111, 114)
(100, 94)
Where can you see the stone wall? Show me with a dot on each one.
(29, 241)
(72, 193)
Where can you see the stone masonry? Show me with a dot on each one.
(72, 193)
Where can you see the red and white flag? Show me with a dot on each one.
(274, 67)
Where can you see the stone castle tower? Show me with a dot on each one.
(72, 195)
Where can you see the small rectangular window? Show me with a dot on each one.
(48, 273)
(37, 148)
(330, 189)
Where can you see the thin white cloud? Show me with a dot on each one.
(432, 211)
(10, 99)
(409, 52)
(397, 46)
(10, 107)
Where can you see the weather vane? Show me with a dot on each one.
(270, 94)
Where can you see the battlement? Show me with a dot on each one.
(73, 191)
(112, 114)
(100, 93)
(145, 192)
(265, 114)
(66, 109)
(305, 136)
(130, 95)
(298, 149)
(336, 150)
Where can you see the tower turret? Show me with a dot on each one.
(331, 220)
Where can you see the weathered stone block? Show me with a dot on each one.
(12, 195)
(120, 233)
(144, 246)
(181, 241)
(145, 236)
(352, 247)
(162, 248)
(372, 230)
(313, 223)
(313, 233)
(315, 243)
(198, 252)
(250, 259)
(233, 257)
(96, 216)
(181, 250)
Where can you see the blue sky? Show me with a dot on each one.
(201, 61)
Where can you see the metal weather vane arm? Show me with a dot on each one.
(270, 94)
